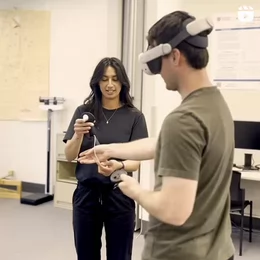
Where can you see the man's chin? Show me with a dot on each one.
(170, 87)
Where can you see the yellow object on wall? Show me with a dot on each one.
(24, 63)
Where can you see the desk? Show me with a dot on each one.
(248, 175)
(250, 181)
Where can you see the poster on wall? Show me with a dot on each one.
(235, 52)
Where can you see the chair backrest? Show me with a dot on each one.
(236, 193)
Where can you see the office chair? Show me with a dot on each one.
(238, 205)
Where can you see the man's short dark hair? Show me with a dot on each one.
(169, 26)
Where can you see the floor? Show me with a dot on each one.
(44, 233)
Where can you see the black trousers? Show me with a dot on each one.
(95, 206)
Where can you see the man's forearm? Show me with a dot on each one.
(158, 206)
(131, 166)
(143, 149)
(153, 203)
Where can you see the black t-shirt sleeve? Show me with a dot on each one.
(70, 131)
(139, 129)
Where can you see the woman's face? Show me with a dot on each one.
(109, 85)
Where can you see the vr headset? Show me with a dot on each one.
(151, 60)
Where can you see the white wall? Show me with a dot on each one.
(158, 102)
(82, 32)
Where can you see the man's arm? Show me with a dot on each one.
(139, 131)
(173, 204)
(140, 150)
(181, 145)
(131, 166)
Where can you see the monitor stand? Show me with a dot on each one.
(248, 163)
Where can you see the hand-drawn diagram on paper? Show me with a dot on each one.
(24, 63)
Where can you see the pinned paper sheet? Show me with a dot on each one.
(24, 67)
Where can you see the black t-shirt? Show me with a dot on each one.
(125, 125)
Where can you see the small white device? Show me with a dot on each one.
(151, 60)
(85, 118)
(116, 175)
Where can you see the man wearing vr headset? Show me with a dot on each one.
(190, 205)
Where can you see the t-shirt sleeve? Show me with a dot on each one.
(139, 129)
(70, 131)
(182, 142)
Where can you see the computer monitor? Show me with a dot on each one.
(247, 136)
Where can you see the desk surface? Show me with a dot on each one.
(249, 175)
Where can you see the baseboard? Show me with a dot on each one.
(144, 226)
(33, 187)
(29, 187)
(234, 218)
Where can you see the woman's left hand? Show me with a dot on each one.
(108, 167)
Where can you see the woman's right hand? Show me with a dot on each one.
(81, 127)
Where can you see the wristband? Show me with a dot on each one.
(123, 166)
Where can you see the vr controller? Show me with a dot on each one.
(89, 117)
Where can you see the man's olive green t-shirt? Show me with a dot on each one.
(196, 142)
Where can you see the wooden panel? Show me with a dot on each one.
(6, 192)
(60, 147)
(63, 194)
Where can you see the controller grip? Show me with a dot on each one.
(116, 175)
(89, 117)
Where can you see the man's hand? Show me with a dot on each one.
(101, 154)
(130, 186)
(107, 168)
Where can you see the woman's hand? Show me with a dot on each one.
(108, 167)
(81, 127)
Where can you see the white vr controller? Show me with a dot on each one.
(85, 118)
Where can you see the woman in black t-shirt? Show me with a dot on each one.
(96, 203)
